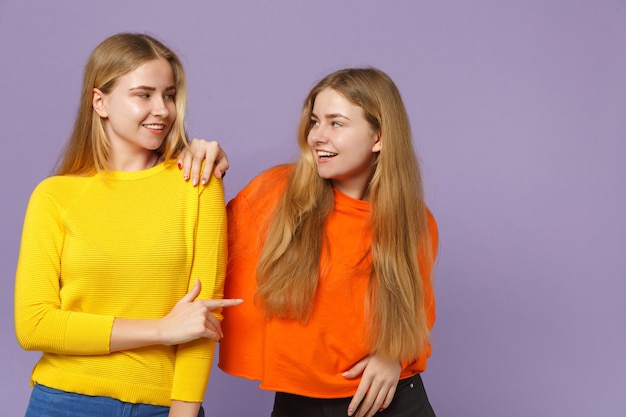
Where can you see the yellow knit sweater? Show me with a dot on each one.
(128, 245)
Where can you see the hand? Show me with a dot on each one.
(191, 319)
(201, 150)
(378, 384)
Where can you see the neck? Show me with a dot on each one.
(136, 162)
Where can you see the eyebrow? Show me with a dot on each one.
(331, 116)
(145, 87)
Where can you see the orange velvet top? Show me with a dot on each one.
(285, 355)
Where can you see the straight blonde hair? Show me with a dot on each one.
(289, 267)
(88, 148)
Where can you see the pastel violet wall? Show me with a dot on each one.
(518, 114)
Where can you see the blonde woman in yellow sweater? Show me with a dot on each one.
(121, 269)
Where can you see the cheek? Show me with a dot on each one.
(171, 108)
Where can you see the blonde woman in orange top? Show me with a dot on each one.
(335, 255)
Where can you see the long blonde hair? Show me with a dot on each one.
(88, 148)
(400, 232)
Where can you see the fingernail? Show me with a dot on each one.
(180, 166)
(381, 409)
(350, 411)
(186, 177)
(195, 182)
(203, 181)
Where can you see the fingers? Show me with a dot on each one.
(200, 150)
(213, 329)
(356, 400)
(389, 397)
(221, 165)
(193, 293)
(181, 158)
(196, 166)
(208, 152)
(377, 398)
(221, 303)
(379, 379)
(373, 403)
(184, 162)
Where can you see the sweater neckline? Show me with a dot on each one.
(346, 200)
(135, 175)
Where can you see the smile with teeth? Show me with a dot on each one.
(155, 126)
(325, 154)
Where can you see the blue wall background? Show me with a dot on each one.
(518, 115)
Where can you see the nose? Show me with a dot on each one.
(159, 107)
(318, 134)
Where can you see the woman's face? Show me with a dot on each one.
(138, 112)
(344, 144)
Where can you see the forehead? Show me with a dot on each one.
(153, 73)
(329, 101)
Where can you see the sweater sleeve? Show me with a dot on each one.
(193, 359)
(243, 349)
(40, 323)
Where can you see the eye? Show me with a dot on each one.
(143, 95)
(336, 124)
(314, 122)
(170, 96)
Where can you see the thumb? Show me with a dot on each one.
(357, 369)
(193, 293)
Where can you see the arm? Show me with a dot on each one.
(41, 323)
(190, 319)
(200, 150)
(193, 359)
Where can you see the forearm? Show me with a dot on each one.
(132, 334)
(184, 409)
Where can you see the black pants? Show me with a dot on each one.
(410, 400)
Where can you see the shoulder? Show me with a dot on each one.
(168, 177)
(269, 185)
(260, 197)
(275, 176)
(60, 185)
(56, 194)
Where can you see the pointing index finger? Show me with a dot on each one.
(223, 302)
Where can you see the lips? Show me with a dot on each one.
(154, 126)
(326, 154)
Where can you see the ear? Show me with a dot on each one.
(378, 144)
(97, 101)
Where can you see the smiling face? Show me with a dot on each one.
(344, 144)
(138, 113)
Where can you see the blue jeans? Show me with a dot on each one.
(50, 402)
(410, 400)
